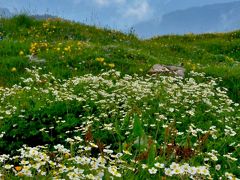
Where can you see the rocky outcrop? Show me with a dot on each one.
(167, 70)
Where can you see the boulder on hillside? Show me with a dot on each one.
(167, 70)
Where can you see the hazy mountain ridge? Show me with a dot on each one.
(209, 18)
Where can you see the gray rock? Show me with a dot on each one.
(167, 70)
(35, 59)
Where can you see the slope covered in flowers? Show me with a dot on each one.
(113, 125)
(76, 103)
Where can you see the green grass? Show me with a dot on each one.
(93, 96)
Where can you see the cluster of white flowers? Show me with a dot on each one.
(38, 161)
(185, 169)
(229, 131)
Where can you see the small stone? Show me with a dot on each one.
(35, 59)
(167, 70)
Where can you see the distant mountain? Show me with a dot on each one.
(210, 18)
(4, 12)
(166, 6)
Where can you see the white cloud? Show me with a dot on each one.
(140, 10)
(109, 2)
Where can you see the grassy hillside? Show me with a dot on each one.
(90, 110)
(217, 55)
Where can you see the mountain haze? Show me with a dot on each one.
(209, 18)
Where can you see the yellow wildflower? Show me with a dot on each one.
(18, 168)
(101, 60)
(111, 65)
(21, 53)
(13, 69)
(68, 48)
(66, 155)
(193, 67)
(79, 43)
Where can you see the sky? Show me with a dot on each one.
(116, 14)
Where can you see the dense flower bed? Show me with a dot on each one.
(113, 125)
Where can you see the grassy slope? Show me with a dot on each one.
(72, 49)
(215, 54)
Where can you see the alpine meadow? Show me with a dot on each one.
(78, 102)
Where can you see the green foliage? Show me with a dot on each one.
(23, 20)
(137, 127)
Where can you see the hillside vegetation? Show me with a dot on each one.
(67, 46)
(78, 103)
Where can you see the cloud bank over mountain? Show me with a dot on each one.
(210, 18)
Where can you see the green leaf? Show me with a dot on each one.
(151, 155)
(137, 127)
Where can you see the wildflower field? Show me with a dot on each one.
(89, 110)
